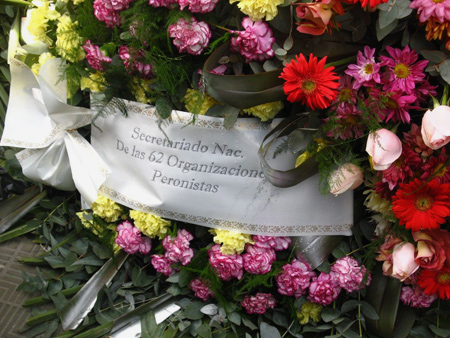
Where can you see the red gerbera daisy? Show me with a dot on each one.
(420, 205)
(435, 282)
(310, 82)
(371, 3)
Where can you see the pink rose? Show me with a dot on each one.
(258, 261)
(258, 303)
(226, 266)
(198, 6)
(315, 17)
(255, 42)
(295, 278)
(163, 265)
(277, 243)
(403, 261)
(433, 248)
(201, 289)
(385, 253)
(384, 147)
(346, 177)
(324, 289)
(349, 274)
(130, 240)
(190, 36)
(436, 127)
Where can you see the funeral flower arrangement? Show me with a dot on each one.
(374, 74)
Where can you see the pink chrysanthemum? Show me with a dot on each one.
(397, 106)
(404, 71)
(257, 260)
(427, 9)
(258, 303)
(201, 288)
(295, 278)
(255, 41)
(130, 240)
(366, 70)
(190, 36)
(274, 242)
(402, 169)
(414, 140)
(198, 6)
(416, 297)
(131, 59)
(95, 57)
(226, 266)
(350, 275)
(324, 289)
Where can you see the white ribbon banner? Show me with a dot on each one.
(39, 119)
(198, 172)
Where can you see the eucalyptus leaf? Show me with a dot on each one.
(434, 56)
(444, 70)
(210, 309)
(288, 43)
(369, 311)
(192, 310)
(204, 331)
(349, 305)
(439, 331)
(163, 107)
(268, 331)
(383, 32)
(329, 314)
(256, 67)
(235, 318)
(387, 17)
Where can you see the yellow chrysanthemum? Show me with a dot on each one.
(232, 241)
(376, 203)
(150, 225)
(39, 18)
(309, 310)
(95, 229)
(259, 9)
(197, 102)
(68, 42)
(266, 111)
(95, 82)
(107, 209)
(43, 58)
(140, 88)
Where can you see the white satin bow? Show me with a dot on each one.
(39, 120)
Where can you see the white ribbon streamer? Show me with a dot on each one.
(39, 120)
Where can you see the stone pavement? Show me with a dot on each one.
(12, 315)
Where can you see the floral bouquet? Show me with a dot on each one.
(367, 79)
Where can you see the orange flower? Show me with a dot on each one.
(420, 206)
(309, 82)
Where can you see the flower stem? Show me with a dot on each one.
(222, 28)
(341, 62)
(359, 314)
(444, 99)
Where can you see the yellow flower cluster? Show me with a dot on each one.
(39, 18)
(266, 111)
(140, 88)
(150, 225)
(43, 58)
(95, 82)
(68, 42)
(309, 310)
(89, 224)
(232, 241)
(107, 209)
(259, 9)
(198, 103)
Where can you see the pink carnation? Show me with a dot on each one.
(226, 266)
(95, 57)
(103, 12)
(198, 6)
(295, 278)
(131, 61)
(178, 249)
(258, 260)
(255, 41)
(130, 240)
(163, 265)
(350, 276)
(324, 289)
(201, 289)
(276, 243)
(162, 3)
(416, 297)
(190, 36)
(258, 303)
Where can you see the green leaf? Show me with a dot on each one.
(247, 322)
(434, 56)
(192, 310)
(89, 260)
(280, 318)
(369, 311)
(210, 309)
(268, 331)
(383, 32)
(235, 318)
(387, 17)
(54, 287)
(349, 305)
(55, 262)
(22, 230)
(444, 70)
(204, 331)
(341, 250)
(329, 314)
(439, 331)
(163, 107)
